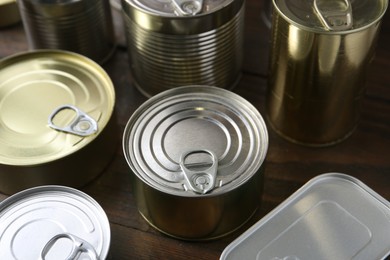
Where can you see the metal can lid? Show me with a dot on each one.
(195, 140)
(332, 15)
(179, 7)
(52, 103)
(53, 222)
(333, 216)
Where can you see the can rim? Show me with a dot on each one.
(102, 218)
(153, 101)
(325, 32)
(9, 60)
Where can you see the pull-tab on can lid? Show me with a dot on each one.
(179, 7)
(331, 15)
(53, 222)
(195, 141)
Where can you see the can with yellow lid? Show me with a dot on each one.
(56, 120)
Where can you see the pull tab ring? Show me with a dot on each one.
(200, 181)
(82, 124)
(334, 17)
(78, 246)
(188, 7)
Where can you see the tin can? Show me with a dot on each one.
(56, 120)
(81, 26)
(333, 216)
(9, 13)
(53, 222)
(320, 54)
(179, 43)
(197, 154)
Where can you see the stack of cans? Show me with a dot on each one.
(177, 43)
(83, 26)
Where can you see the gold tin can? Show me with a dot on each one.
(197, 156)
(81, 26)
(56, 120)
(9, 13)
(179, 43)
(320, 53)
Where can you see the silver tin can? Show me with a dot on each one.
(320, 54)
(197, 155)
(333, 216)
(53, 222)
(81, 26)
(178, 43)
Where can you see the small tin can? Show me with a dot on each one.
(56, 120)
(333, 216)
(53, 222)
(81, 26)
(179, 43)
(197, 155)
(320, 53)
(9, 13)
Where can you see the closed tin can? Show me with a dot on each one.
(178, 43)
(320, 54)
(333, 216)
(53, 222)
(9, 13)
(56, 120)
(81, 26)
(197, 155)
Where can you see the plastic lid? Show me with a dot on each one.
(334, 216)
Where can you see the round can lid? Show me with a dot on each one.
(179, 7)
(332, 15)
(52, 103)
(195, 140)
(53, 222)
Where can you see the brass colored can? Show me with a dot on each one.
(81, 26)
(56, 120)
(9, 13)
(179, 43)
(197, 156)
(320, 53)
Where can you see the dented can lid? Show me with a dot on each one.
(333, 216)
(53, 222)
(52, 103)
(332, 15)
(195, 140)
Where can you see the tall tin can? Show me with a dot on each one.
(197, 156)
(320, 54)
(81, 26)
(56, 120)
(178, 43)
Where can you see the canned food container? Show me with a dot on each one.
(333, 216)
(81, 26)
(53, 222)
(178, 43)
(56, 120)
(197, 155)
(320, 54)
(9, 13)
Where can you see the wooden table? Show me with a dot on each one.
(365, 155)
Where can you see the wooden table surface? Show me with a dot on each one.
(365, 154)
